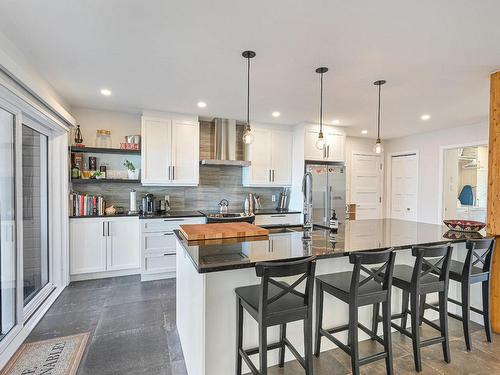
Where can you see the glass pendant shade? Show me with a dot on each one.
(320, 142)
(247, 136)
(378, 148)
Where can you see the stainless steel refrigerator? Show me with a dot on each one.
(328, 191)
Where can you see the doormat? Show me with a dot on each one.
(59, 356)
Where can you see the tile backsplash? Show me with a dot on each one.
(216, 183)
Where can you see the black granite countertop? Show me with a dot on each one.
(287, 243)
(101, 216)
(173, 214)
(274, 211)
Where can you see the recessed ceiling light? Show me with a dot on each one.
(425, 117)
(202, 104)
(364, 131)
(105, 92)
(276, 114)
(336, 122)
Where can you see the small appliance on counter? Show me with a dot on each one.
(283, 200)
(148, 205)
(133, 203)
(249, 205)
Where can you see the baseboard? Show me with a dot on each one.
(104, 275)
(158, 276)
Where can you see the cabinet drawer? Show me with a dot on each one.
(159, 242)
(278, 219)
(155, 263)
(169, 224)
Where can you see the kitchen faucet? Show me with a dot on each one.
(223, 205)
(308, 204)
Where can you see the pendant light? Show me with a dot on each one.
(320, 142)
(378, 148)
(247, 133)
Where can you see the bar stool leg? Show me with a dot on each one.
(386, 317)
(319, 318)
(404, 308)
(466, 313)
(282, 347)
(239, 335)
(263, 348)
(422, 307)
(308, 347)
(443, 322)
(486, 309)
(353, 337)
(415, 317)
(375, 319)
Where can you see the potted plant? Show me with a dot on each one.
(133, 173)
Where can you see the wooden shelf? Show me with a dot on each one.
(98, 150)
(103, 180)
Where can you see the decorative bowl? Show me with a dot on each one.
(464, 225)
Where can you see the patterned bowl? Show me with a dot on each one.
(464, 225)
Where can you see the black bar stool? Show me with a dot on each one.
(479, 251)
(417, 281)
(273, 303)
(357, 290)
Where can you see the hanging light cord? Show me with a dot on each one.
(378, 117)
(248, 92)
(321, 106)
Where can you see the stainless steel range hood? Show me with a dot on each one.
(224, 147)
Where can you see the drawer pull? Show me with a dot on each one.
(173, 220)
(168, 234)
(166, 254)
(278, 215)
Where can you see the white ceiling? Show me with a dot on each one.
(167, 55)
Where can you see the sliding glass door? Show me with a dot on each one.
(35, 213)
(8, 249)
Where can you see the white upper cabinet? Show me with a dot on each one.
(170, 151)
(270, 155)
(334, 149)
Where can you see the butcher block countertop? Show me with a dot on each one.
(196, 232)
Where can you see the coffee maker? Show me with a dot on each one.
(148, 205)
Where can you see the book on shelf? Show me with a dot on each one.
(86, 205)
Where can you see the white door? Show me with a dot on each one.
(334, 146)
(310, 150)
(156, 151)
(259, 152)
(404, 187)
(185, 153)
(123, 244)
(87, 245)
(281, 158)
(366, 186)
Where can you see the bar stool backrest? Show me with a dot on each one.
(304, 268)
(480, 253)
(382, 275)
(423, 266)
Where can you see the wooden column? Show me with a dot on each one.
(493, 215)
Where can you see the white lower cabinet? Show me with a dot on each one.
(278, 219)
(158, 246)
(100, 245)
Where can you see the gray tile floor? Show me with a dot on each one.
(133, 331)
(132, 325)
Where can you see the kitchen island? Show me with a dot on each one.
(209, 271)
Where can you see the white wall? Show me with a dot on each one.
(120, 124)
(429, 145)
(16, 64)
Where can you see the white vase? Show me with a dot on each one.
(133, 175)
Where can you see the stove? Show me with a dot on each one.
(228, 217)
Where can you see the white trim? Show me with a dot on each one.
(442, 149)
(388, 213)
(104, 274)
(37, 300)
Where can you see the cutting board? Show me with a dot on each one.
(221, 230)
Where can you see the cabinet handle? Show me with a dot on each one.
(168, 234)
(167, 254)
(328, 151)
(269, 175)
(173, 172)
(169, 172)
(108, 228)
(173, 220)
(278, 215)
(103, 224)
(273, 174)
